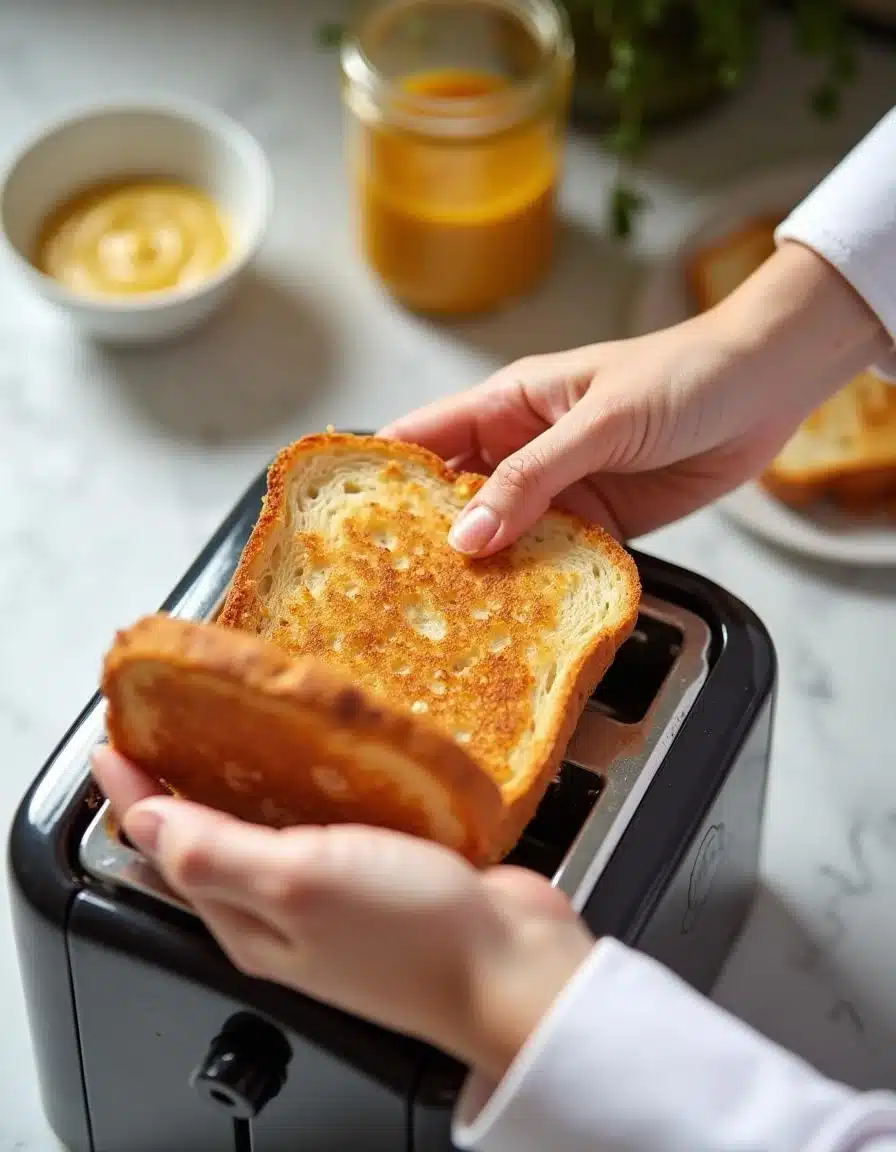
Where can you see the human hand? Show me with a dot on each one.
(388, 927)
(634, 434)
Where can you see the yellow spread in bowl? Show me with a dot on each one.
(133, 237)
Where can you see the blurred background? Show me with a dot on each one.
(679, 125)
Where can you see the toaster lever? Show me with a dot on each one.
(244, 1067)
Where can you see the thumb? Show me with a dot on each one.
(525, 483)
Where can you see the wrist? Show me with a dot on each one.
(513, 987)
(798, 330)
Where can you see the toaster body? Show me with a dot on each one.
(147, 1039)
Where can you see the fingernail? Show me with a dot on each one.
(142, 826)
(474, 529)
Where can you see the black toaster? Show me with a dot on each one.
(146, 1039)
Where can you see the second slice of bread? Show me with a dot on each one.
(227, 720)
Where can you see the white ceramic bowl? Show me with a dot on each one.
(180, 141)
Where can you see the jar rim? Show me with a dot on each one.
(545, 21)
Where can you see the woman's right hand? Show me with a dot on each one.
(637, 433)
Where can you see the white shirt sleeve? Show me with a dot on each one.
(850, 220)
(631, 1059)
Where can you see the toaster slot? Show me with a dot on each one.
(638, 673)
(562, 813)
(627, 729)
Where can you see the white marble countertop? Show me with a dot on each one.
(114, 469)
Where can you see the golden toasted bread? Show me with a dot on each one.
(231, 721)
(845, 451)
(363, 671)
(349, 563)
(716, 269)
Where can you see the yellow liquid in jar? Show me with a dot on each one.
(458, 226)
(133, 237)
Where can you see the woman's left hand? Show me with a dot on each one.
(388, 927)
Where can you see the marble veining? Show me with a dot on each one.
(115, 467)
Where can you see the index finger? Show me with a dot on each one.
(206, 854)
(446, 427)
(122, 783)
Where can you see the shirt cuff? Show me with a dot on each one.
(867, 1124)
(631, 1057)
(850, 221)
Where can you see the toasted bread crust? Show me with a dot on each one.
(852, 486)
(236, 679)
(245, 607)
(521, 804)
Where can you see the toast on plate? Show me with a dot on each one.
(845, 451)
(485, 664)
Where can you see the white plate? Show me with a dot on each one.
(823, 533)
(663, 300)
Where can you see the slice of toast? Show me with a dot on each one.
(349, 563)
(715, 270)
(228, 720)
(363, 671)
(845, 451)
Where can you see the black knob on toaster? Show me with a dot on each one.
(244, 1068)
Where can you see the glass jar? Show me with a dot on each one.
(456, 111)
